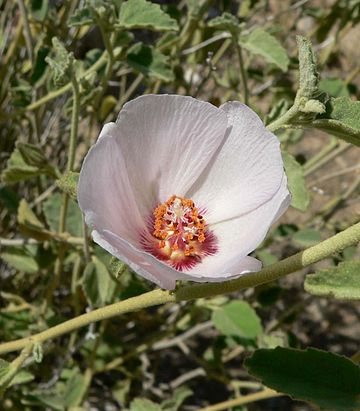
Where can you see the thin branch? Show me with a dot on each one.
(246, 399)
(324, 249)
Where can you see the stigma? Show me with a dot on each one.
(180, 234)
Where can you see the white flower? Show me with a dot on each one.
(179, 189)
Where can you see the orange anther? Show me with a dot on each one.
(201, 238)
(178, 222)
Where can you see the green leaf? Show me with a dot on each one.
(142, 14)
(38, 352)
(17, 170)
(32, 154)
(178, 397)
(341, 282)
(62, 63)
(51, 208)
(30, 225)
(4, 368)
(75, 390)
(117, 267)
(296, 182)
(309, 77)
(81, 17)
(68, 183)
(9, 198)
(307, 237)
(150, 62)
(21, 260)
(273, 340)
(39, 9)
(328, 380)
(22, 377)
(261, 42)
(338, 129)
(334, 86)
(26, 161)
(266, 257)
(55, 402)
(227, 22)
(346, 111)
(142, 404)
(40, 65)
(237, 319)
(97, 283)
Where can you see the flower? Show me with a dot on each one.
(179, 189)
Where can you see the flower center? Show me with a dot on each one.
(180, 234)
(179, 226)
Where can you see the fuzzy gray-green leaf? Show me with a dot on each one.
(296, 182)
(142, 14)
(150, 62)
(309, 77)
(341, 282)
(261, 42)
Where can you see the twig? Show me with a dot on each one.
(324, 249)
(160, 345)
(335, 174)
(198, 372)
(246, 399)
(205, 43)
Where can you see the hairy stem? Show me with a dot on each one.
(327, 248)
(65, 196)
(246, 399)
(285, 118)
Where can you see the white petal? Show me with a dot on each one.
(167, 141)
(105, 194)
(245, 173)
(141, 262)
(228, 272)
(159, 273)
(239, 236)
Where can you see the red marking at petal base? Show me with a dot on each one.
(150, 244)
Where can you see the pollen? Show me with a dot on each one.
(178, 235)
(179, 226)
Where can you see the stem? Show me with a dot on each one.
(110, 62)
(325, 159)
(14, 367)
(246, 399)
(56, 93)
(86, 242)
(133, 86)
(285, 118)
(149, 299)
(74, 124)
(20, 242)
(242, 70)
(221, 51)
(72, 148)
(322, 153)
(324, 249)
(327, 248)
(27, 31)
(65, 196)
(335, 174)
